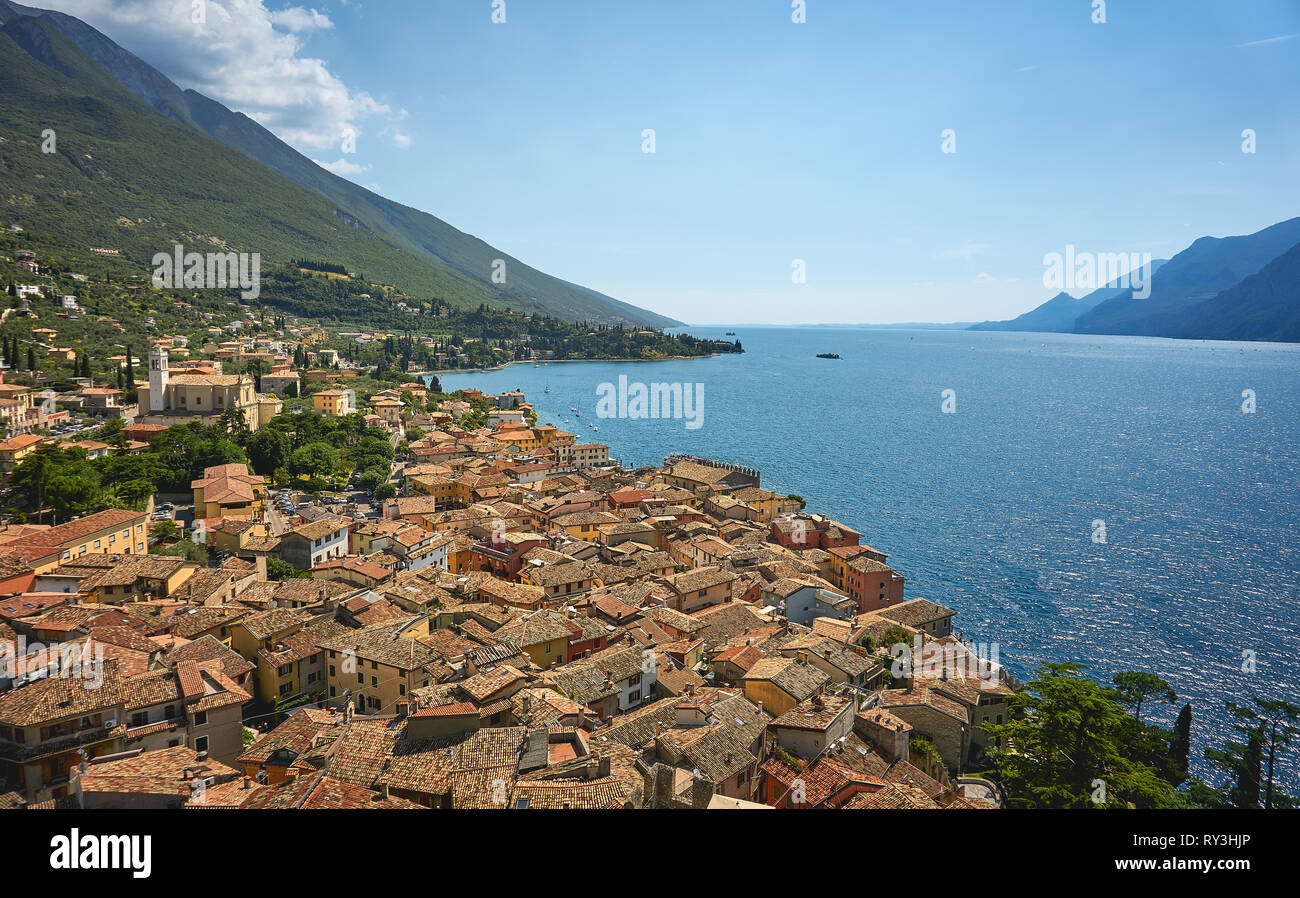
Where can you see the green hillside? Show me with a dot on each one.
(129, 177)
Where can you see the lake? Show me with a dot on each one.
(1103, 500)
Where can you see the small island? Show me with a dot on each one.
(828, 355)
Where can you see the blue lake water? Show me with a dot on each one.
(990, 510)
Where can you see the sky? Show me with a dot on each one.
(780, 147)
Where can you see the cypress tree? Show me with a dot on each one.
(1246, 795)
(31, 359)
(1180, 746)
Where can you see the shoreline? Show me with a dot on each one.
(502, 367)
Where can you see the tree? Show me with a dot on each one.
(163, 530)
(1251, 765)
(278, 569)
(1135, 687)
(313, 460)
(73, 496)
(1180, 747)
(267, 450)
(31, 359)
(1071, 747)
(385, 491)
(233, 422)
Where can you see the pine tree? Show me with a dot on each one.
(31, 359)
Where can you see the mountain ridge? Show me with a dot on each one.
(1192, 295)
(425, 238)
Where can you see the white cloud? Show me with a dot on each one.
(1269, 40)
(402, 141)
(985, 276)
(295, 18)
(342, 167)
(244, 55)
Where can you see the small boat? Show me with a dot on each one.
(572, 408)
(594, 427)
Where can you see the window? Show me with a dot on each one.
(200, 718)
(374, 681)
(201, 743)
(139, 719)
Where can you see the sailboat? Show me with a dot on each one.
(548, 389)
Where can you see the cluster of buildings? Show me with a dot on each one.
(526, 626)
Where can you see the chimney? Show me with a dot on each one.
(383, 791)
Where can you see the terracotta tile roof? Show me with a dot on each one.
(796, 679)
(455, 709)
(304, 730)
(56, 698)
(891, 797)
(165, 771)
(83, 527)
(209, 648)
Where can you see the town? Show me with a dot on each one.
(484, 613)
